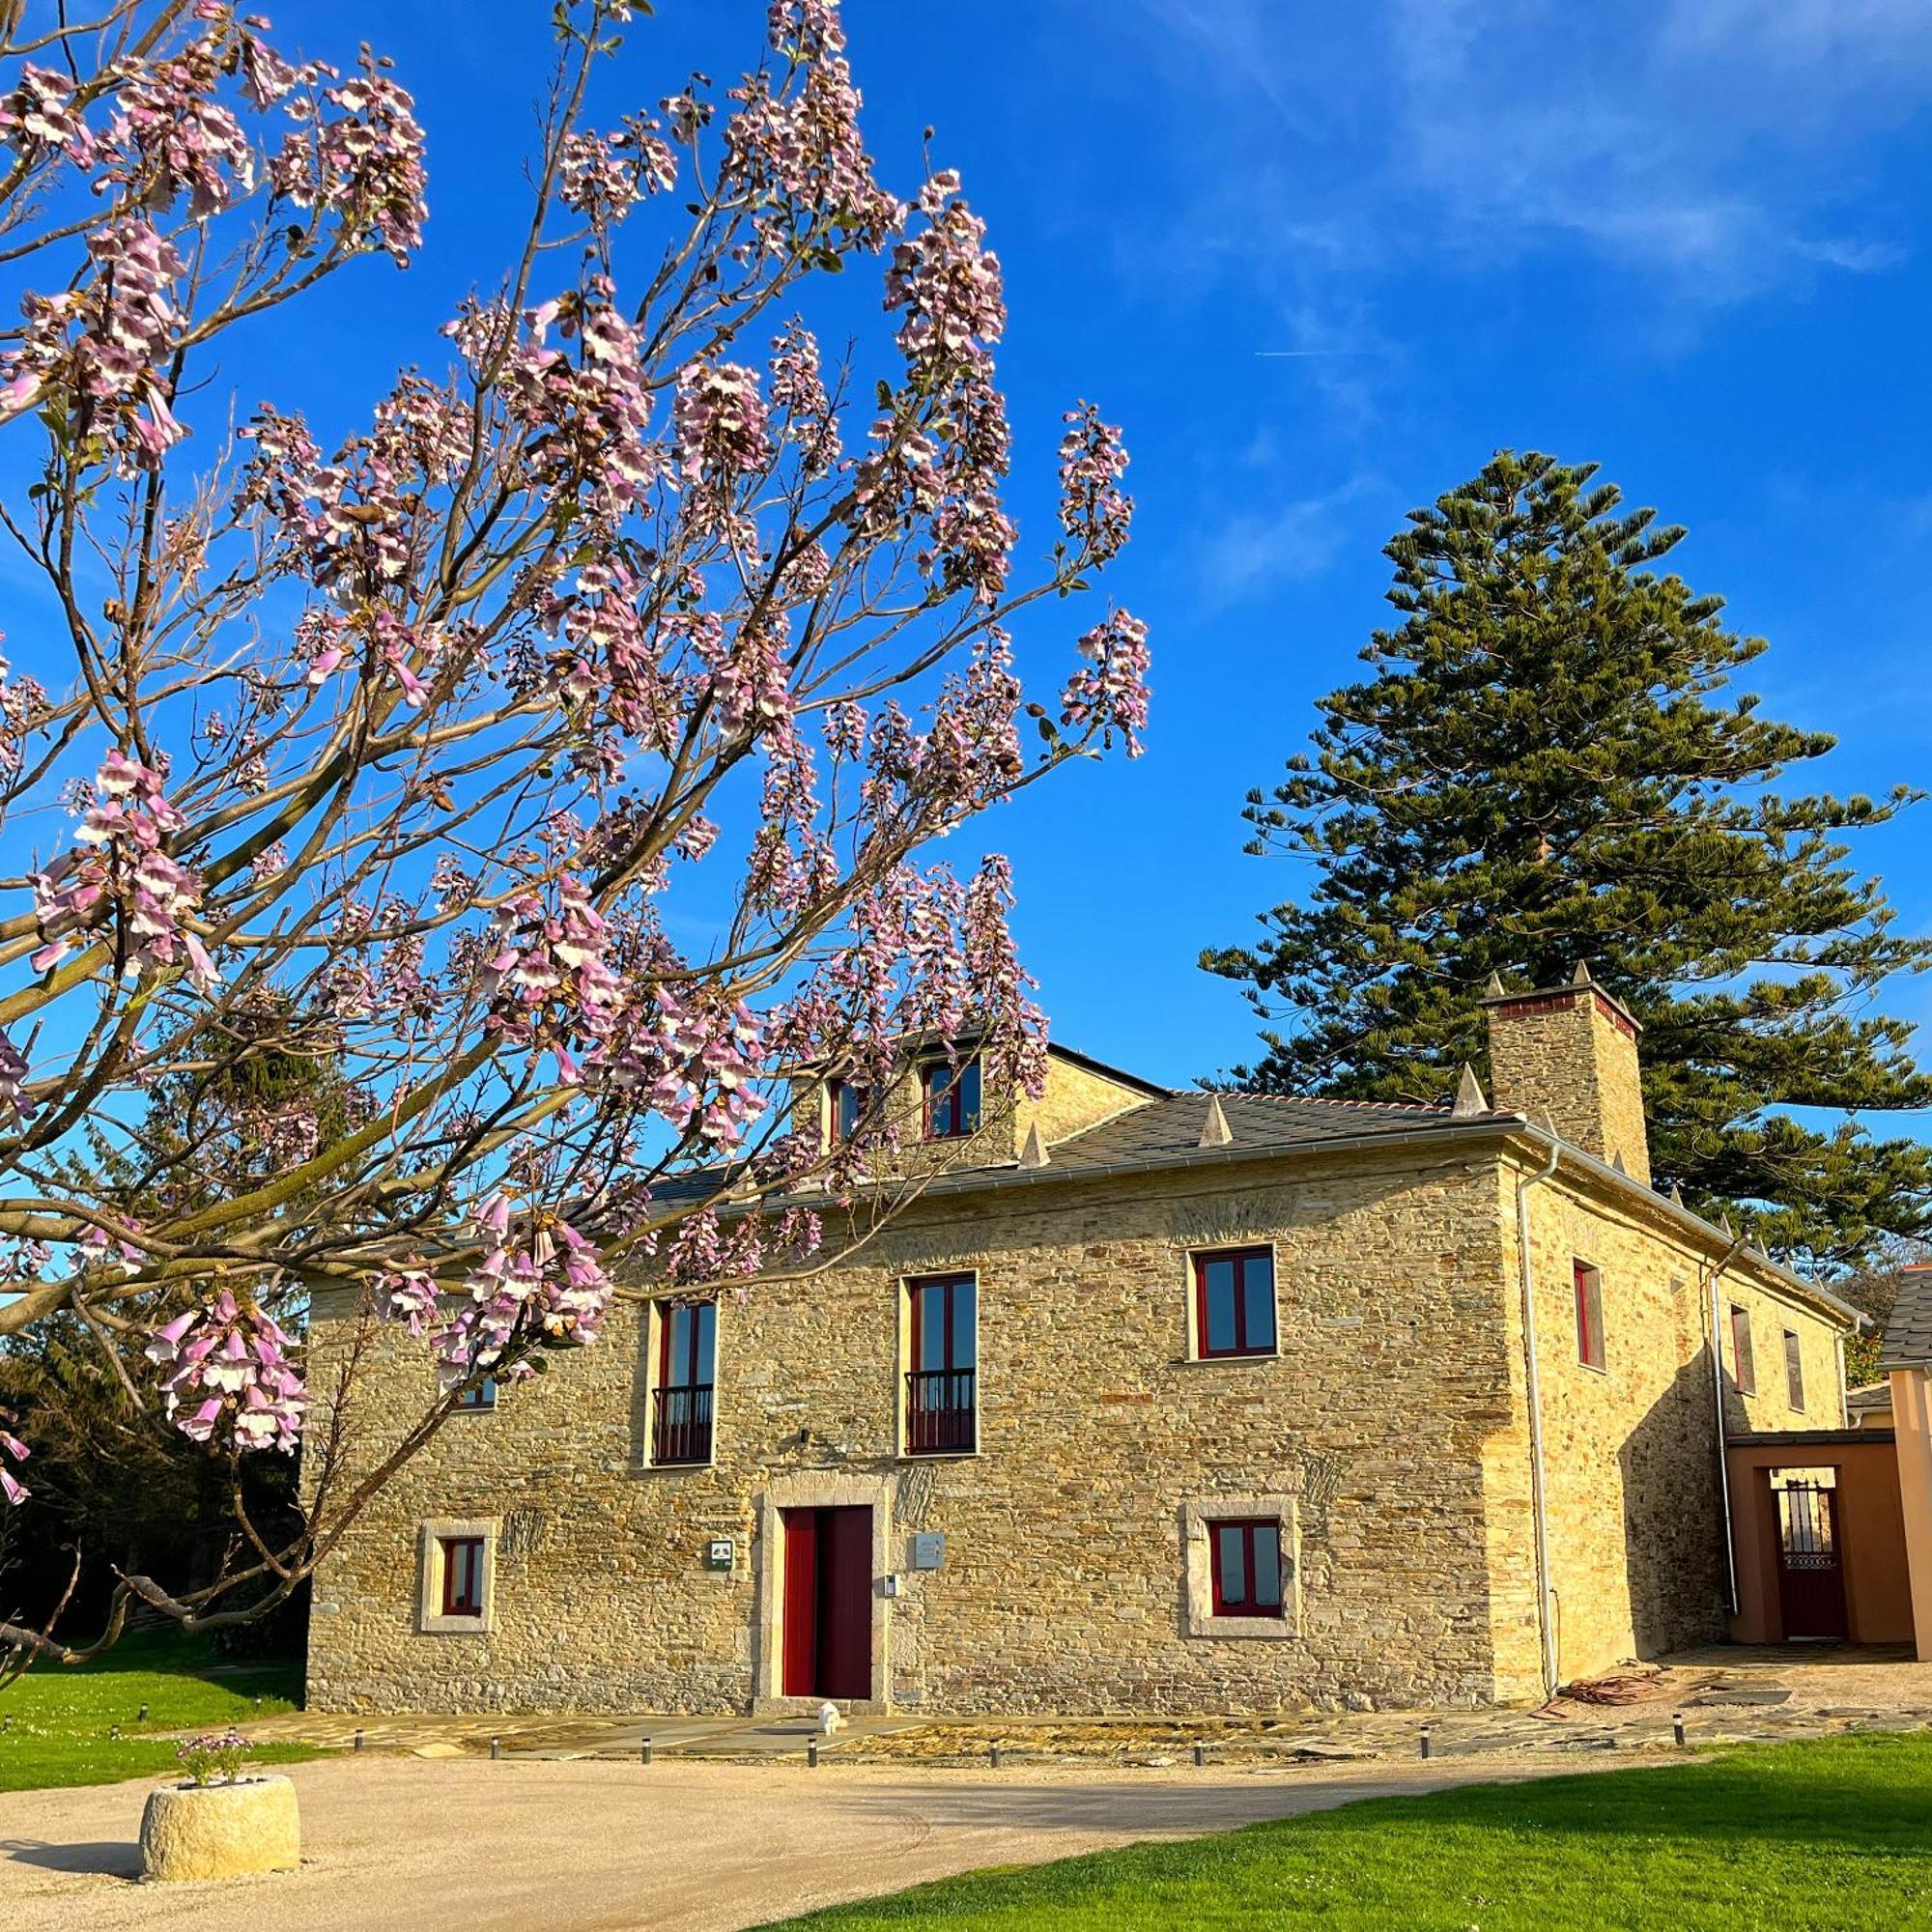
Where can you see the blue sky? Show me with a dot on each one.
(1320, 260)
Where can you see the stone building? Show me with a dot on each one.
(1147, 1402)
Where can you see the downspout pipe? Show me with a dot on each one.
(1545, 1624)
(1724, 1262)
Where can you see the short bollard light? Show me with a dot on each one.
(1677, 1727)
(644, 1750)
(1200, 1754)
(495, 1747)
(6, 1723)
(143, 1717)
(812, 1753)
(1426, 1741)
(113, 1730)
(993, 1753)
(359, 1740)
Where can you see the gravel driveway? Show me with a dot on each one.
(588, 1847)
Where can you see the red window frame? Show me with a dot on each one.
(946, 1287)
(1589, 1282)
(943, 1098)
(1794, 1371)
(1242, 1532)
(1244, 1343)
(1744, 1358)
(463, 1576)
(688, 1346)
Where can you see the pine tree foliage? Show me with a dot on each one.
(1551, 762)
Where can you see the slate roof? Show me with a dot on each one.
(1908, 1335)
(1167, 1131)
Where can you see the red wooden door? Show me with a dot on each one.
(845, 1603)
(826, 1643)
(1810, 1565)
(800, 1634)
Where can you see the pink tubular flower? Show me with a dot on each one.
(39, 116)
(17, 1105)
(364, 164)
(12, 1488)
(228, 1371)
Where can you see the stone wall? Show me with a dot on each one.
(1389, 1435)
(1630, 1449)
(1064, 1580)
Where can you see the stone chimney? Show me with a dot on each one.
(1570, 1052)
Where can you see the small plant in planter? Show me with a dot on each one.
(221, 1823)
(215, 1758)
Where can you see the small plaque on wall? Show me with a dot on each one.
(719, 1552)
(928, 1550)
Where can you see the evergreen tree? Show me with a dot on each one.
(1551, 765)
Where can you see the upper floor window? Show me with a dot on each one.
(844, 1109)
(1234, 1302)
(1589, 1315)
(1246, 1567)
(951, 1098)
(462, 1575)
(942, 1385)
(687, 1368)
(1743, 1369)
(1794, 1369)
(477, 1397)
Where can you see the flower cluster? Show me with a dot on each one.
(1095, 511)
(949, 285)
(228, 1366)
(215, 1758)
(17, 1105)
(548, 963)
(23, 707)
(108, 338)
(602, 176)
(544, 1285)
(721, 421)
(12, 1447)
(39, 116)
(365, 164)
(1110, 688)
(711, 1061)
(171, 137)
(120, 857)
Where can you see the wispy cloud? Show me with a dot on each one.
(1255, 548)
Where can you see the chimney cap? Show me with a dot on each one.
(1579, 981)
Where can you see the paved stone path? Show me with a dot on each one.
(393, 1845)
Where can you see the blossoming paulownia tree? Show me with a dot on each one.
(391, 755)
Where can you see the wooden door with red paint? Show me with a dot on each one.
(826, 1642)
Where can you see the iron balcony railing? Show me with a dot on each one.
(940, 1415)
(681, 1424)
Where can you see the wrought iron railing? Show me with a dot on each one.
(681, 1424)
(941, 1419)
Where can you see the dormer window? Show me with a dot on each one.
(952, 1096)
(844, 1109)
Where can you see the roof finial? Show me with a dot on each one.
(1214, 1129)
(1495, 989)
(1469, 1101)
(1676, 1195)
(1033, 1150)
(1724, 1226)
(1581, 976)
(1617, 1161)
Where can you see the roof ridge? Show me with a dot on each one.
(1332, 1100)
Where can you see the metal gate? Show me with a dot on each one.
(1811, 1563)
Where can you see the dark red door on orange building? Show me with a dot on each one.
(826, 1640)
(1810, 1565)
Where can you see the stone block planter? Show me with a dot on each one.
(221, 1831)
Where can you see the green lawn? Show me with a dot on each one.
(59, 1734)
(1823, 1837)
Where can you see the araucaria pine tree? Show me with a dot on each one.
(1551, 765)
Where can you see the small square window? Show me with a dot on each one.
(1589, 1315)
(462, 1575)
(1743, 1369)
(1233, 1303)
(477, 1397)
(1794, 1371)
(951, 1098)
(1246, 1560)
